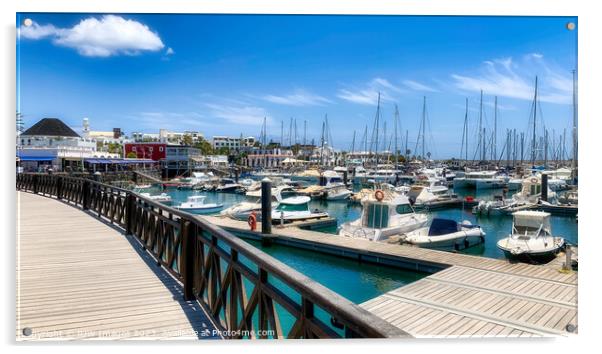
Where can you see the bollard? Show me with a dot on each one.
(281, 219)
(567, 260)
(266, 206)
(544, 187)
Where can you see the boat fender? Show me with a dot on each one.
(379, 195)
(252, 221)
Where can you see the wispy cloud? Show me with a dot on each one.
(238, 114)
(507, 78)
(298, 98)
(417, 86)
(93, 37)
(156, 120)
(369, 93)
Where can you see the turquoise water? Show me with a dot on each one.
(496, 227)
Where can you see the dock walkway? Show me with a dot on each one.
(79, 278)
(465, 296)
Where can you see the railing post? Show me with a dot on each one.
(35, 184)
(188, 234)
(86, 192)
(59, 187)
(129, 210)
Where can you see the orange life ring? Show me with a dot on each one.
(379, 195)
(252, 221)
(534, 180)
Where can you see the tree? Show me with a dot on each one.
(187, 140)
(204, 146)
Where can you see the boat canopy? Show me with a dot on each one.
(196, 198)
(442, 227)
(532, 220)
(296, 200)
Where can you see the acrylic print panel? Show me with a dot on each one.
(287, 176)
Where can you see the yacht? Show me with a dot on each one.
(161, 198)
(383, 216)
(446, 234)
(426, 191)
(531, 238)
(480, 180)
(338, 193)
(242, 210)
(196, 203)
(228, 185)
(569, 198)
(295, 208)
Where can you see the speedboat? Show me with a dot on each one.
(228, 185)
(338, 193)
(242, 210)
(196, 203)
(426, 191)
(162, 198)
(384, 214)
(295, 208)
(531, 239)
(569, 198)
(446, 234)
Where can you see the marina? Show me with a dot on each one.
(259, 182)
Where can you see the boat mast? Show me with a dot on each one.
(423, 126)
(464, 147)
(533, 146)
(377, 124)
(574, 161)
(494, 146)
(406, 153)
(396, 148)
(481, 138)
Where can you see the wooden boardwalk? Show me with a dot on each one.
(79, 278)
(471, 296)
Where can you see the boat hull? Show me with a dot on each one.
(535, 257)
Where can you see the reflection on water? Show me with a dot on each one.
(496, 227)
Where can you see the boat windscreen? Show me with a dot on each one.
(404, 209)
(442, 227)
(378, 216)
(292, 207)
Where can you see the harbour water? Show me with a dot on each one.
(496, 227)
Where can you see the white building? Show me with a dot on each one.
(232, 143)
(267, 158)
(50, 143)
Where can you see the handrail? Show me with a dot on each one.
(195, 252)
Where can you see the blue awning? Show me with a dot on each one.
(118, 161)
(36, 158)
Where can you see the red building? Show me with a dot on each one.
(150, 150)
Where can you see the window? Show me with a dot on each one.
(160, 148)
(150, 149)
(403, 209)
(377, 216)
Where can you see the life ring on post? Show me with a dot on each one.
(252, 221)
(379, 195)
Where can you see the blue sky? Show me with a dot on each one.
(221, 74)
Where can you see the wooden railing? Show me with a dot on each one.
(248, 293)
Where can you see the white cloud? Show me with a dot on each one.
(417, 86)
(239, 114)
(298, 98)
(507, 78)
(169, 51)
(93, 37)
(369, 94)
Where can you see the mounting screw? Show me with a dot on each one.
(570, 328)
(27, 22)
(27, 331)
(570, 26)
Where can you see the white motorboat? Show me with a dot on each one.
(338, 193)
(383, 218)
(531, 239)
(426, 191)
(242, 210)
(228, 185)
(196, 203)
(162, 198)
(295, 208)
(531, 191)
(569, 198)
(480, 180)
(446, 234)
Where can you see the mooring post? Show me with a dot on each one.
(345, 179)
(266, 206)
(34, 188)
(544, 187)
(86, 196)
(568, 258)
